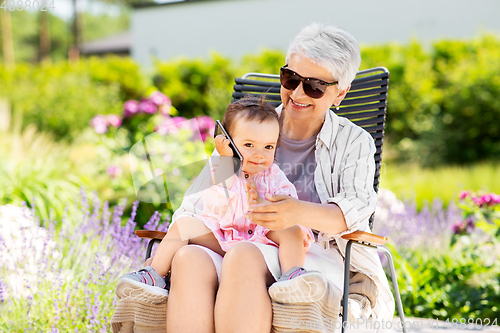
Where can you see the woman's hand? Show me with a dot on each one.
(280, 212)
(222, 145)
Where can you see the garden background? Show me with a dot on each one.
(68, 206)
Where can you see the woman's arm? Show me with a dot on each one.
(284, 211)
(346, 211)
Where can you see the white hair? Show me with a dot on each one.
(330, 47)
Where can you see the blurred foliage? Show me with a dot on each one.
(36, 169)
(441, 109)
(412, 182)
(197, 87)
(100, 25)
(442, 104)
(460, 282)
(25, 31)
(62, 98)
(26, 39)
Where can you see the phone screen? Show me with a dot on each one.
(237, 157)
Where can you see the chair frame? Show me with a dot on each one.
(366, 105)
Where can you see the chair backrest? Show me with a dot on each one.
(365, 104)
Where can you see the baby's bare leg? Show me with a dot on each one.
(291, 247)
(185, 230)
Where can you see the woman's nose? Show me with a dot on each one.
(299, 91)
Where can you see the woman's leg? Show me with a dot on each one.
(193, 285)
(243, 304)
(291, 247)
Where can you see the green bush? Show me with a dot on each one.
(442, 105)
(468, 115)
(35, 169)
(121, 71)
(461, 282)
(62, 98)
(197, 87)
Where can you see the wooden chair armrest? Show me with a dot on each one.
(366, 237)
(151, 234)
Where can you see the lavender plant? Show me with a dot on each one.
(407, 228)
(62, 279)
(444, 271)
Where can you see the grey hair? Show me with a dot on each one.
(330, 47)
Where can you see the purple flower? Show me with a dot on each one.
(148, 106)
(2, 298)
(114, 170)
(158, 98)
(463, 227)
(130, 108)
(114, 120)
(100, 124)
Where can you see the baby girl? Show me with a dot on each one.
(254, 128)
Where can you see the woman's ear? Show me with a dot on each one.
(341, 95)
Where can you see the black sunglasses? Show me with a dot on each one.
(314, 88)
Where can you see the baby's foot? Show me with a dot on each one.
(298, 286)
(143, 286)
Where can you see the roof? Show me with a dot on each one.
(119, 43)
(163, 3)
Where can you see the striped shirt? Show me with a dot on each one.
(344, 174)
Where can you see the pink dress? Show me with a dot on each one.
(224, 209)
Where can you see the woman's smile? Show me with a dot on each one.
(299, 105)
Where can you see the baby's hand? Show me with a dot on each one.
(252, 193)
(222, 146)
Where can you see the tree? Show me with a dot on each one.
(7, 44)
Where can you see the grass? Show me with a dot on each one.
(412, 182)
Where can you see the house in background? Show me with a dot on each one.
(118, 44)
(237, 27)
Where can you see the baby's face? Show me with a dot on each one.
(256, 142)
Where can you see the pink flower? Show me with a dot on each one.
(463, 194)
(478, 201)
(495, 198)
(148, 106)
(158, 98)
(172, 124)
(165, 109)
(463, 227)
(130, 108)
(113, 171)
(99, 123)
(206, 126)
(114, 120)
(487, 199)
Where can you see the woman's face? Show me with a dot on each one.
(297, 104)
(256, 142)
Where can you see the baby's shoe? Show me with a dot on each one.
(298, 286)
(143, 286)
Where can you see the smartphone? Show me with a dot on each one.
(237, 157)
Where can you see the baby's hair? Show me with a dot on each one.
(248, 108)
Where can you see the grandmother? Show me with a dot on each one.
(330, 161)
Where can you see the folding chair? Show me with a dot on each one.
(365, 105)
